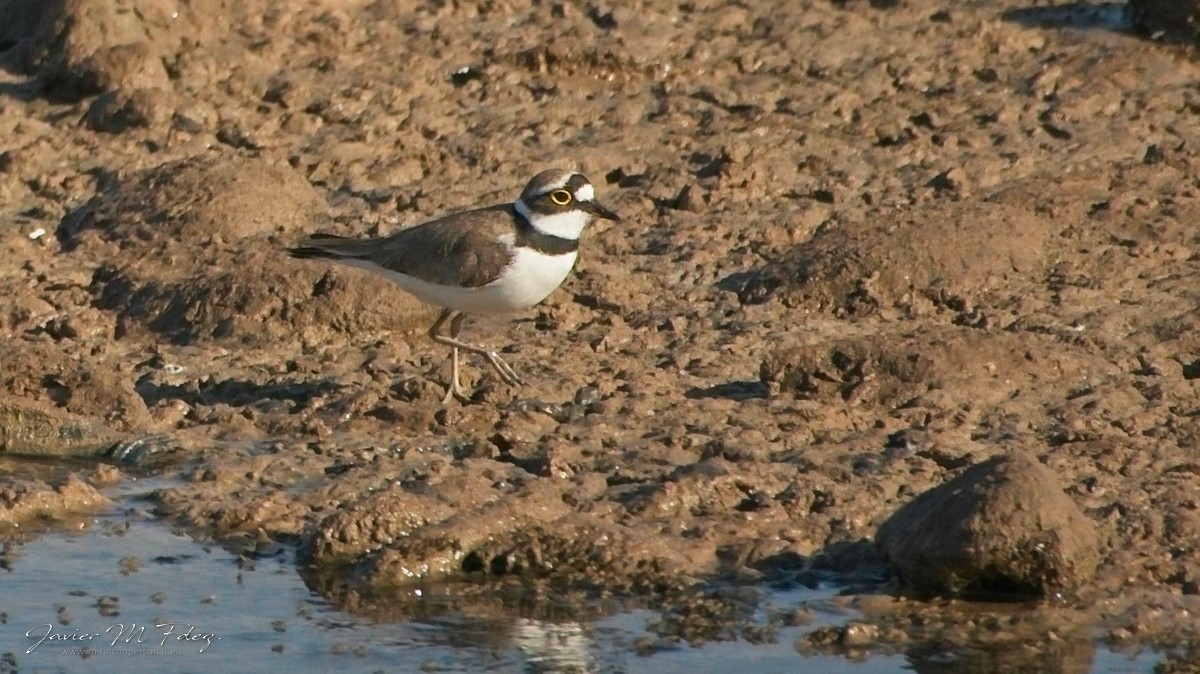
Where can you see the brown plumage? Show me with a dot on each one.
(464, 245)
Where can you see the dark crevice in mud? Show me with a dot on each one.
(234, 392)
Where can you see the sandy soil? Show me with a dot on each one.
(866, 245)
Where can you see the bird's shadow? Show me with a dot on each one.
(731, 390)
(1114, 17)
(737, 281)
(1111, 16)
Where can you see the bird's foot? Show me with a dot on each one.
(507, 374)
(455, 393)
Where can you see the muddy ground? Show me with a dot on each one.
(865, 246)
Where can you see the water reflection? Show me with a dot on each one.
(1050, 656)
(549, 647)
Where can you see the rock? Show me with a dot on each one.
(1002, 527)
(114, 112)
(689, 199)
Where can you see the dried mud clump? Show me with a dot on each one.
(31, 427)
(910, 262)
(25, 501)
(196, 253)
(372, 523)
(405, 537)
(577, 550)
(85, 47)
(489, 520)
(55, 404)
(121, 53)
(194, 202)
(913, 369)
(1002, 527)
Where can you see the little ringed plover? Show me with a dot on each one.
(491, 260)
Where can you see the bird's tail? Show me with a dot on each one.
(321, 246)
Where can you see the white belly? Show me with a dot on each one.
(529, 279)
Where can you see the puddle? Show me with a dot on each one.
(127, 593)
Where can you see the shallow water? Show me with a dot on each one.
(204, 608)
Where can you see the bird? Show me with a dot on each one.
(485, 261)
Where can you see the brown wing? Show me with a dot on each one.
(459, 249)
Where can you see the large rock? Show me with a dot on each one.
(1002, 527)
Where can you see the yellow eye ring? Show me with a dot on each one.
(560, 197)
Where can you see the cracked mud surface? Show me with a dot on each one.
(865, 246)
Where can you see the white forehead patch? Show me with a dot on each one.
(585, 193)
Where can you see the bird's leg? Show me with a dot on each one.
(454, 389)
(503, 369)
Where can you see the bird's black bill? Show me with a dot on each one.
(599, 211)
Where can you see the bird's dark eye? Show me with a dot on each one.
(560, 197)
